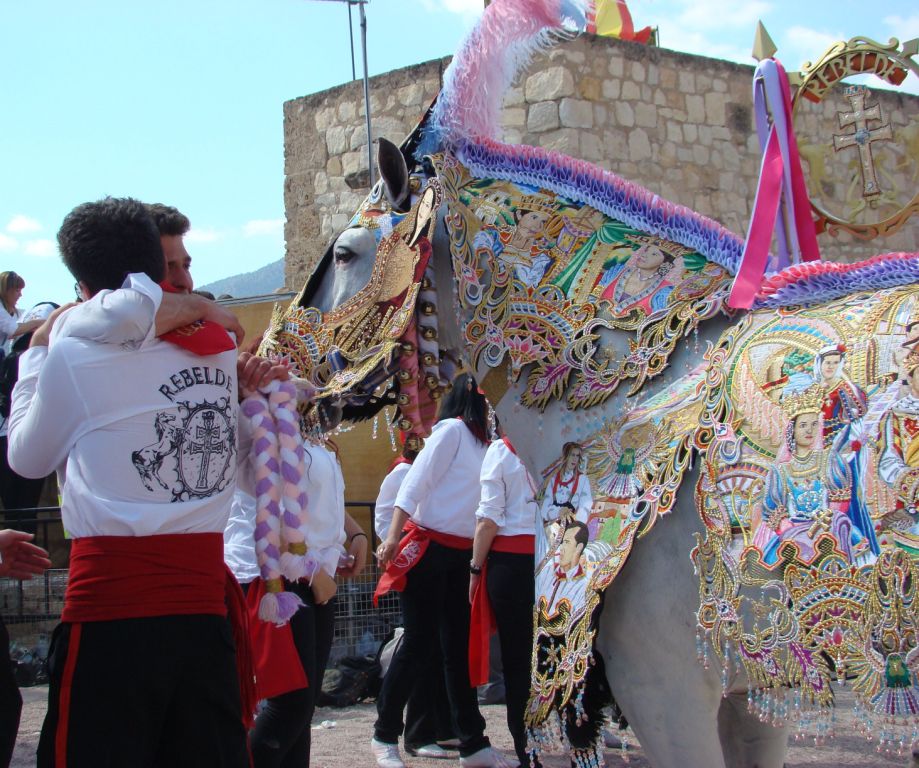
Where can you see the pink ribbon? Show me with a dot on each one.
(781, 187)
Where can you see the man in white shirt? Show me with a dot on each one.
(142, 665)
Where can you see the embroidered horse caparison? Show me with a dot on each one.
(782, 442)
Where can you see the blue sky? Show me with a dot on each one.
(181, 102)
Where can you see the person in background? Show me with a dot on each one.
(18, 492)
(436, 506)
(11, 324)
(19, 559)
(501, 584)
(293, 676)
(427, 714)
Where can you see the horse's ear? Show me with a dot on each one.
(394, 173)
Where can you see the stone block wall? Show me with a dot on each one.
(678, 124)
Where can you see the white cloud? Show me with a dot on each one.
(199, 236)
(697, 26)
(21, 224)
(258, 227)
(802, 44)
(8, 243)
(904, 28)
(40, 248)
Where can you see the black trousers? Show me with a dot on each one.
(427, 715)
(435, 610)
(159, 691)
(281, 737)
(511, 589)
(10, 700)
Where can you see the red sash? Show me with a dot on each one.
(278, 668)
(411, 549)
(482, 620)
(129, 577)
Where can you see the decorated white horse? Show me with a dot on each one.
(583, 304)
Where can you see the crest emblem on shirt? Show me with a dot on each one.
(194, 452)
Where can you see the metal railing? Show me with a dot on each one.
(32, 608)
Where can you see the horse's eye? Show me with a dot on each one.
(344, 255)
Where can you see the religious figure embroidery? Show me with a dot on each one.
(807, 490)
(899, 448)
(646, 278)
(523, 249)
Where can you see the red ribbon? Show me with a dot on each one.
(780, 175)
(482, 622)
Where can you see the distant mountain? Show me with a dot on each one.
(265, 280)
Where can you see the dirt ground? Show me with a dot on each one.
(341, 740)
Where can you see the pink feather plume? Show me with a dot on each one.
(502, 44)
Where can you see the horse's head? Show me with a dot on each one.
(347, 265)
(364, 330)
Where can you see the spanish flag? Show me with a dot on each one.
(611, 18)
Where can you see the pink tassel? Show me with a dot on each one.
(279, 607)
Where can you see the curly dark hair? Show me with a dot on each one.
(465, 401)
(169, 221)
(102, 242)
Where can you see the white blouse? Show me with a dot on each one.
(508, 493)
(386, 500)
(239, 538)
(441, 489)
(325, 490)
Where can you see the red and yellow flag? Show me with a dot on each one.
(611, 18)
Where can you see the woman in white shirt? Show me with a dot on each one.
(501, 583)
(427, 714)
(436, 507)
(11, 286)
(16, 491)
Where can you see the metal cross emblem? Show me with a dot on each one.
(863, 137)
(207, 447)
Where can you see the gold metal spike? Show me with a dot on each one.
(763, 47)
(910, 47)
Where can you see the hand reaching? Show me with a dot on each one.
(253, 372)
(20, 559)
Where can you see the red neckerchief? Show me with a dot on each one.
(397, 461)
(203, 337)
(508, 444)
(557, 481)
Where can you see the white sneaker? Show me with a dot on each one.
(387, 755)
(431, 750)
(487, 758)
